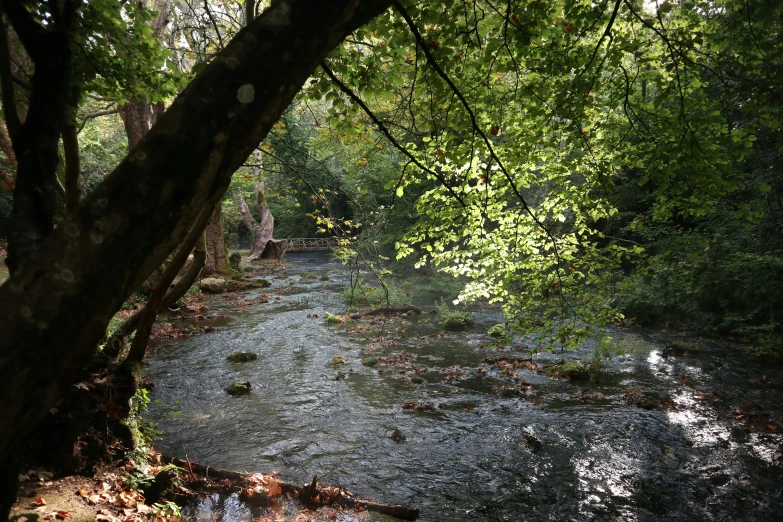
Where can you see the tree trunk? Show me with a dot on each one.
(217, 255)
(262, 231)
(137, 118)
(116, 342)
(36, 141)
(56, 305)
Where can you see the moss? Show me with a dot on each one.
(574, 371)
(324, 278)
(242, 357)
(308, 276)
(239, 388)
(370, 361)
(338, 361)
(679, 348)
(418, 379)
(455, 320)
(332, 319)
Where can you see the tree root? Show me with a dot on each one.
(259, 490)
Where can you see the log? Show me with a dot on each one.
(386, 310)
(239, 482)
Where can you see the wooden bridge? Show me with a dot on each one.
(308, 244)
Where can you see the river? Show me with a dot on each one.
(693, 437)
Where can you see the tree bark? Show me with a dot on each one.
(72, 167)
(137, 118)
(217, 257)
(262, 231)
(59, 299)
(116, 342)
(36, 141)
(150, 312)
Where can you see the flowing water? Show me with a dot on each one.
(691, 437)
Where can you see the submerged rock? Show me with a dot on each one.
(573, 371)
(216, 285)
(239, 388)
(679, 348)
(370, 361)
(242, 357)
(397, 435)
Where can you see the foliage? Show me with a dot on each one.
(514, 126)
(452, 318)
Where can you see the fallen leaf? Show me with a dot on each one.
(39, 501)
(62, 514)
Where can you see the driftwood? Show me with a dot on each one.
(311, 494)
(386, 310)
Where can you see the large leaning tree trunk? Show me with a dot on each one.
(263, 246)
(61, 294)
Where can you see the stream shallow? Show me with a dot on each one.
(694, 437)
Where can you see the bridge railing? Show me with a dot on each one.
(311, 243)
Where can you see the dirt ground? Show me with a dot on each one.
(102, 498)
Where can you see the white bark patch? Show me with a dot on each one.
(246, 93)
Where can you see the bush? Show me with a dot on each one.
(452, 318)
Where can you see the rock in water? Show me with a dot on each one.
(212, 285)
(242, 357)
(239, 388)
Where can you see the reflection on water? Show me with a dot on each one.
(680, 438)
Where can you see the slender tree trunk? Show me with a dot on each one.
(54, 311)
(72, 167)
(217, 256)
(116, 342)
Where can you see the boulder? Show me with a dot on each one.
(238, 286)
(212, 285)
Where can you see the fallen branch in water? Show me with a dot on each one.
(386, 310)
(260, 489)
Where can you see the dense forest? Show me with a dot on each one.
(561, 170)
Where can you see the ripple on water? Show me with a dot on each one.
(691, 457)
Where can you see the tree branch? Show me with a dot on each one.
(344, 88)
(6, 81)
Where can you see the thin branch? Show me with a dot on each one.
(344, 88)
(434, 64)
(96, 115)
